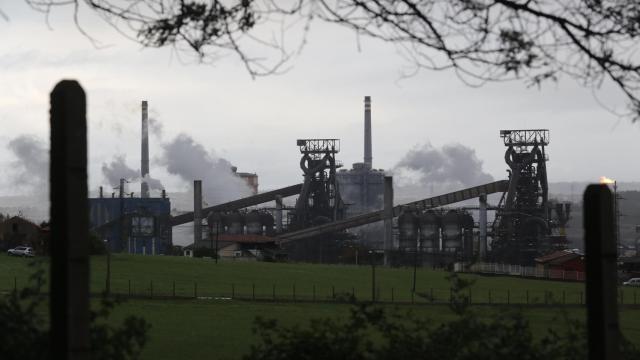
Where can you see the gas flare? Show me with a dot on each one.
(606, 180)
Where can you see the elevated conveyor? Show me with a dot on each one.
(240, 203)
(432, 202)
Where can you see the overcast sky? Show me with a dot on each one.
(254, 123)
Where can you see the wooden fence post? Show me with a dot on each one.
(601, 286)
(69, 214)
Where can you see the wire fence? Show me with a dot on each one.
(167, 290)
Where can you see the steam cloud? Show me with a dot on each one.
(453, 167)
(190, 160)
(32, 164)
(156, 127)
(118, 169)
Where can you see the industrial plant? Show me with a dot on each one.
(337, 212)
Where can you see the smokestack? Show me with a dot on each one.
(368, 160)
(482, 224)
(388, 216)
(197, 213)
(144, 166)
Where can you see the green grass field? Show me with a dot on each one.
(221, 328)
(156, 276)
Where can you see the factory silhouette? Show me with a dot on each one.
(339, 212)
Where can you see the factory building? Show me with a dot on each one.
(362, 187)
(134, 225)
(250, 178)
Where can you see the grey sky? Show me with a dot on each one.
(254, 123)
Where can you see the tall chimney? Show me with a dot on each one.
(197, 213)
(368, 160)
(144, 166)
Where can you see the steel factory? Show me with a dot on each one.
(335, 212)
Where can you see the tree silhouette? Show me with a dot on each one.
(591, 41)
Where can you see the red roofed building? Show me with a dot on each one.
(563, 264)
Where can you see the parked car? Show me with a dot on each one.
(23, 251)
(632, 282)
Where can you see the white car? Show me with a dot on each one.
(632, 282)
(20, 251)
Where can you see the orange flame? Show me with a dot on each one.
(606, 180)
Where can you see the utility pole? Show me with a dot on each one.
(415, 263)
(217, 235)
(372, 254)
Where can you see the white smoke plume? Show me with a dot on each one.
(426, 170)
(118, 169)
(191, 161)
(31, 169)
(156, 127)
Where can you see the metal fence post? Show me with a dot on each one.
(601, 286)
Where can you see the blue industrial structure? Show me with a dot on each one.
(133, 225)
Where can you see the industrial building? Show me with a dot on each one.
(353, 208)
(129, 224)
(362, 186)
(251, 179)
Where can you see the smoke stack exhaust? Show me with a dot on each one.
(368, 158)
(144, 166)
